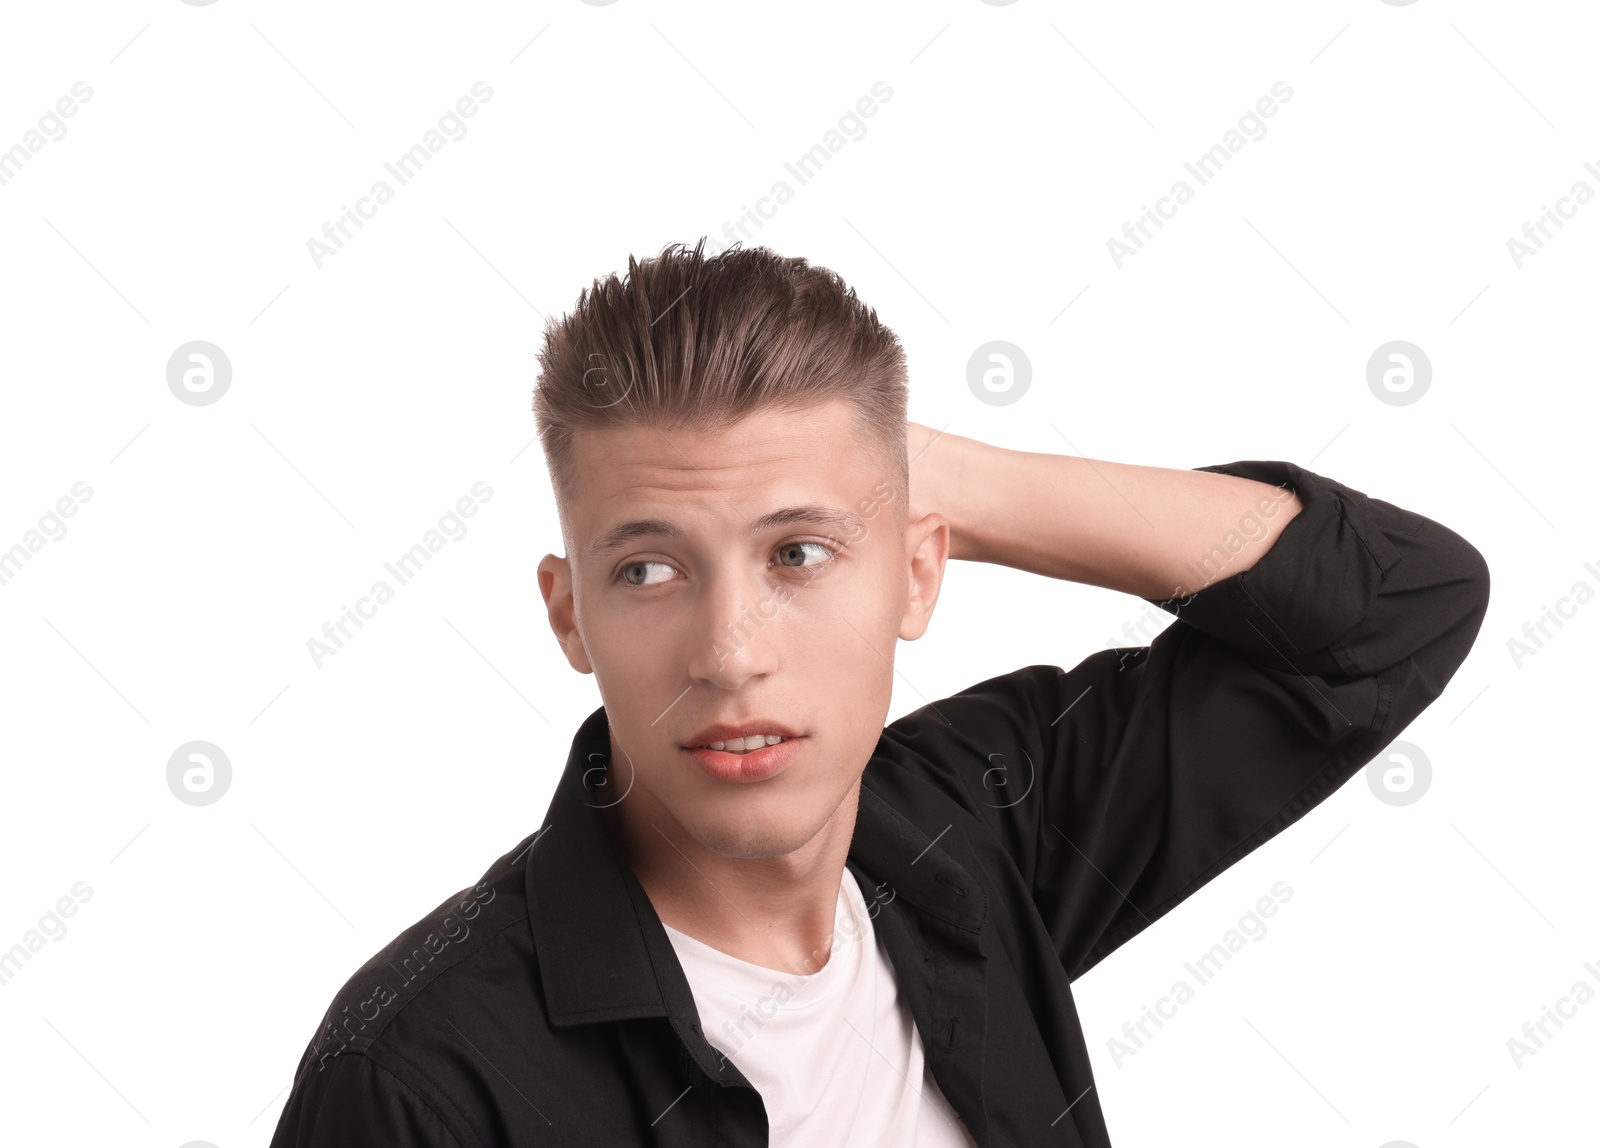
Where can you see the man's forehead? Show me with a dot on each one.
(811, 456)
(771, 469)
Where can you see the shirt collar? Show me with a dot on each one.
(603, 953)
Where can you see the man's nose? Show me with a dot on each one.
(733, 630)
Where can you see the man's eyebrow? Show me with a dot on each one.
(810, 514)
(619, 536)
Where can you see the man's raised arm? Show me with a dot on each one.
(1143, 530)
(1313, 624)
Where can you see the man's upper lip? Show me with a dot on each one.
(725, 732)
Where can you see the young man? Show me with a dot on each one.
(753, 914)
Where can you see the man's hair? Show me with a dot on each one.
(686, 341)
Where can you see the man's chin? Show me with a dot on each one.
(746, 842)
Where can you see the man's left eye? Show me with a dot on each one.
(794, 553)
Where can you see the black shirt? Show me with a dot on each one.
(1014, 835)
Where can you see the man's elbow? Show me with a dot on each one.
(1457, 605)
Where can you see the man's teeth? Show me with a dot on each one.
(746, 744)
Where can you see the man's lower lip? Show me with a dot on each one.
(757, 765)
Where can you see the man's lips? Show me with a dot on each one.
(725, 732)
(752, 765)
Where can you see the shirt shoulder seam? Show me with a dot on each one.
(438, 974)
(422, 1100)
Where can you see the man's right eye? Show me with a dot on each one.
(638, 573)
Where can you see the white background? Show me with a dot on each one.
(370, 394)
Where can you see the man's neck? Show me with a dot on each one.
(775, 912)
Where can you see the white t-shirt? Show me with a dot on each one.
(835, 1055)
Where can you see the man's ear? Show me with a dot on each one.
(555, 584)
(927, 548)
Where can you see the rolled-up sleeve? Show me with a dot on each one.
(1149, 770)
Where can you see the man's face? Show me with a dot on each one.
(751, 577)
